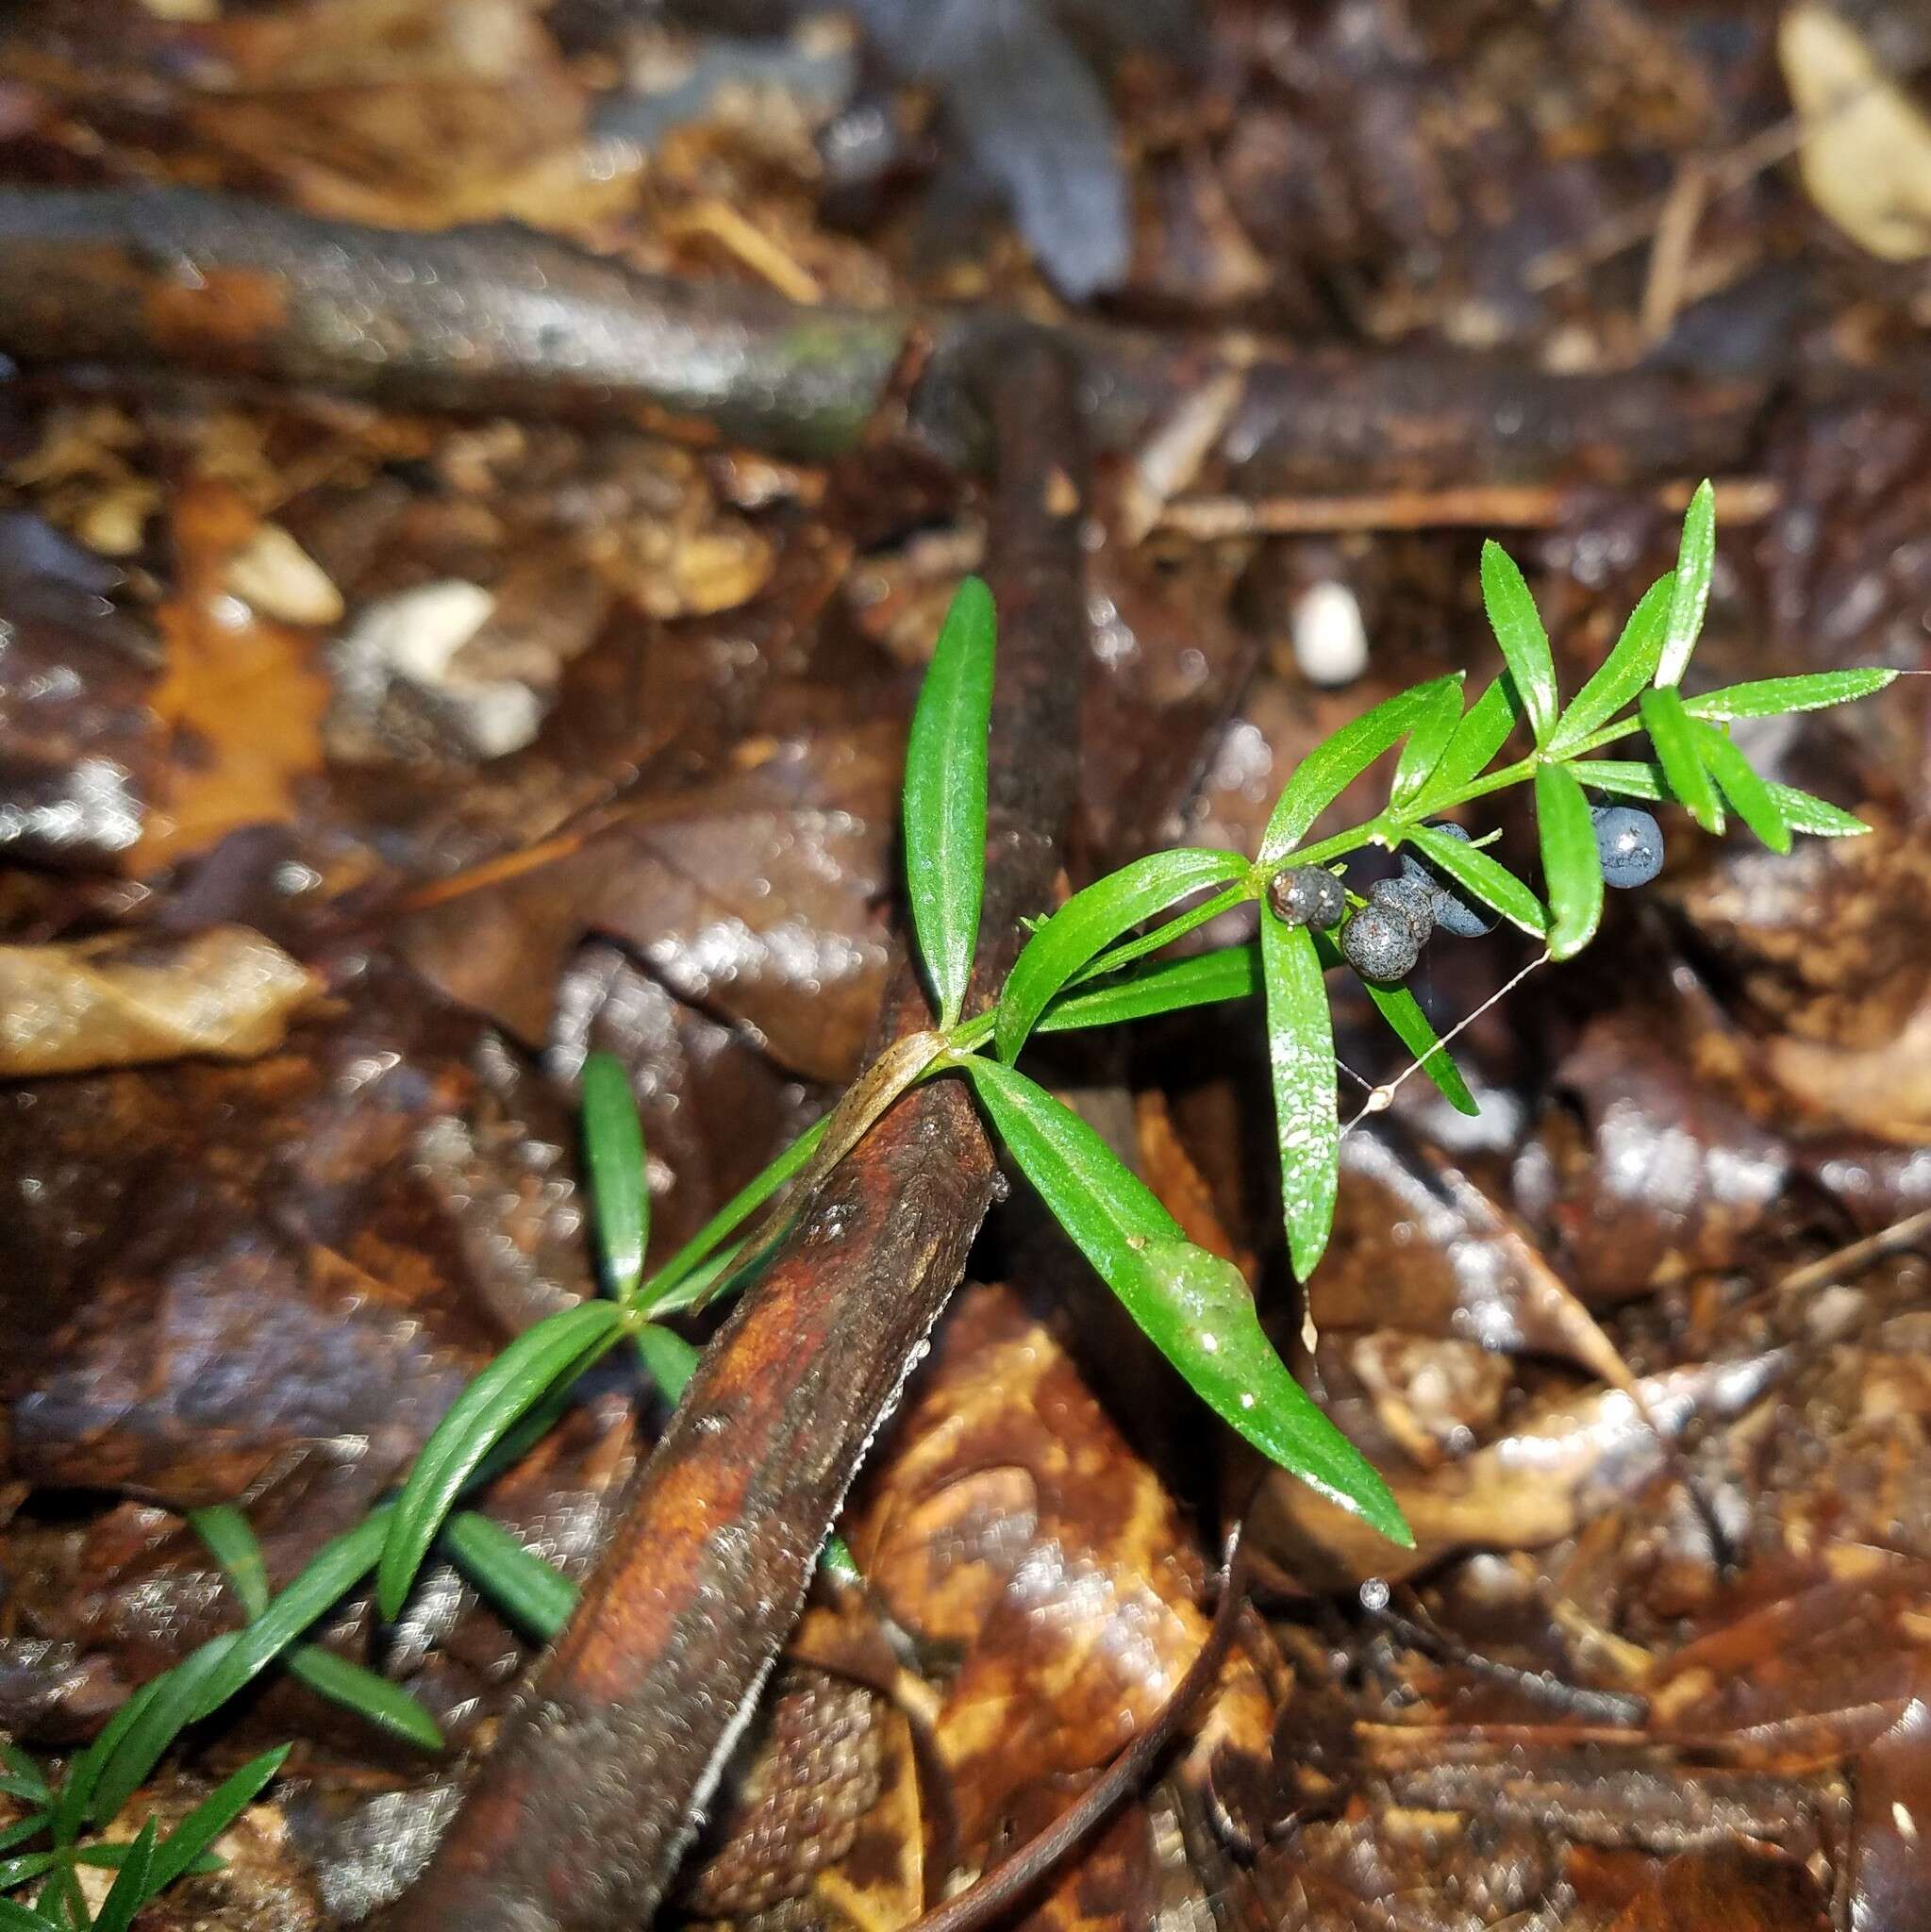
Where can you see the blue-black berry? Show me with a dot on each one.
(1466, 918)
(1409, 898)
(1307, 896)
(1379, 944)
(1631, 844)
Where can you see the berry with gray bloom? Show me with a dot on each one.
(1409, 899)
(1631, 844)
(1465, 919)
(1379, 944)
(1307, 896)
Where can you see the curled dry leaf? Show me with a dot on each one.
(228, 993)
(1866, 158)
(1559, 1466)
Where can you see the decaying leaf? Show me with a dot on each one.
(228, 993)
(240, 694)
(1866, 158)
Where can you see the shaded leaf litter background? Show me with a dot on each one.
(363, 766)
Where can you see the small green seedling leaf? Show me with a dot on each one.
(15, 1916)
(668, 1359)
(1776, 697)
(1434, 727)
(1090, 921)
(189, 1839)
(532, 1592)
(1230, 973)
(1623, 673)
(1670, 733)
(1749, 797)
(1623, 777)
(339, 1679)
(1299, 1057)
(1195, 1310)
(1571, 865)
(1518, 628)
(1327, 771)
(1689, 589)
(620, 1187)
(1805, 813)
(131, 1890)
(1411, 1026)
(1489, 879)
(24, 1779)
(540, 1357)
(1483, 731)
(945, 797)
(74, 1801)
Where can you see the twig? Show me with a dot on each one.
(578, 1819)
(1012, 1878)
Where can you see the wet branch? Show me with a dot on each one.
(579, 1815)
(503, 319)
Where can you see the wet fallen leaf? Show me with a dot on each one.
(1866, 157)
(227, 994)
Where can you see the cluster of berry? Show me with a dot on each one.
(1385, 937)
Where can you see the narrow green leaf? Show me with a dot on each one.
(619, 1187)
(538, 1358)
(1571, 865)
(1751, 797)
(24, 1828)
(1483, 731)
(232, 1542)
(668, 1359)
(110, 1858)
(24, 1778)
(1327, 771)
(29, 1866)
(1433, 729)
(15, 1916)
(213, 1815)
(1689, 589)
(372, 1696)
(1776, 697)
(131, 1890)
(1411, 1026)
(201, 1682)
(946, 795)
(1489, 879)
(1518, 628)
(1805, 813)
(837, 1561)
(1625, 777)
(1230, 973)
(1622, 674)
(387, 1706)
(1090, 921)
(531, 1591)
(660, 1292)
(1200, 1315)
(1670, 733)
(75, 1803)
(1166, 931)
(1300, 1055)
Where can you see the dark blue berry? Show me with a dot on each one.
(1631, 843)
(1407, 898)
(1307, 896)
(1465, 919)
(1379, 944)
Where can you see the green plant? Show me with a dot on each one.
(1087, 965)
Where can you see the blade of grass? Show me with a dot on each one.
(620, 1189)
(945, 797)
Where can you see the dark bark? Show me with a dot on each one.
(501, 318)
(578, 1817)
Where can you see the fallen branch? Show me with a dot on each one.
(503, 319)
(601, 1776)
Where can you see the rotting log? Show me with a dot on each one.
(576, 1819)
(501, 318)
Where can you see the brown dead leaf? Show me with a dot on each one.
(228, 993)
(241, 694)
(1866, 158)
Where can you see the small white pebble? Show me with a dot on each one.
(1906, 1825)
(1330, 640)
(274, 575)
